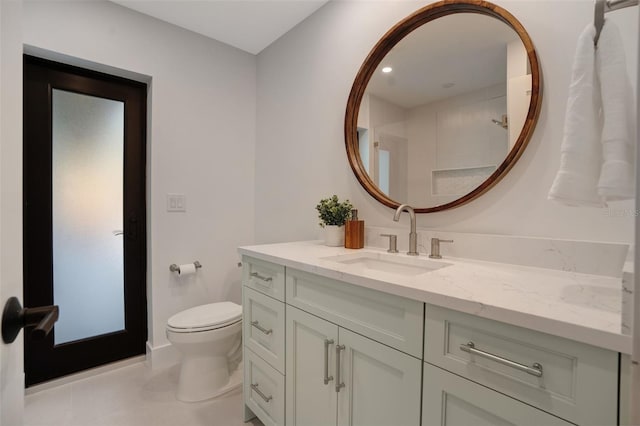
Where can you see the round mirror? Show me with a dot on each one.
(443, 106)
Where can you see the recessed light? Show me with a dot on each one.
(387, 70)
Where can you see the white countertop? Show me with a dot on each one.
(581, 307)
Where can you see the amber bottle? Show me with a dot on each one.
(354, 232)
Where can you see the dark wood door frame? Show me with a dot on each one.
(43, 359)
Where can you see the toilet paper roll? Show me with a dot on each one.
(187, 269)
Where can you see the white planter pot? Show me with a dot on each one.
(334, 235)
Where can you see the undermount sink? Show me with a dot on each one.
(389, 263)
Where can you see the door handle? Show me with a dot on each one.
(327, 377)
(339, 383)
(15, 317)
(266, 398)
(260, 277)
(257, 325)
(534, 370)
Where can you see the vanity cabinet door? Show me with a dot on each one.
(381, 384)
(263, 390)
(310, 399)
(574, 381)
(450, 400)
(263, 327)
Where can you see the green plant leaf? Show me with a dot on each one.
(333, 212)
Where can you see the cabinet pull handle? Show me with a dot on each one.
(327, 378)
(261, 328)
(535, 369)
(260, 277)
(266, 398)
(339, 384)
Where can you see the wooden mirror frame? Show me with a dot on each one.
(380, 50)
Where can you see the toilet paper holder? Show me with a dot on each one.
(175, 268)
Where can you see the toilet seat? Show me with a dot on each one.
(205, 318)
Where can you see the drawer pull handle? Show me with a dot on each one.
(266, 398)
(257, 325)
(261, 278)
(534, 370)
(327, 378)
(339, 385)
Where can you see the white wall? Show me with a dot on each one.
(11, 356)
(303, 83)
(201, 140)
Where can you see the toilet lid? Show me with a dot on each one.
(213, 315)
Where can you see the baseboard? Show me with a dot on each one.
(84, 374)
(158, 357)
(164, 356)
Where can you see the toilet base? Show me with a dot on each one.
(195, 386)
(235, 382)
(209, 357)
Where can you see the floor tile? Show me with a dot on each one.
(133, 395)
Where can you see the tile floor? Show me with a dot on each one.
(129, 396)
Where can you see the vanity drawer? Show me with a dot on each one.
(263, 389)
(265, 277)
(578, 382)
(392, 320)
(264, 327)
(450, 400)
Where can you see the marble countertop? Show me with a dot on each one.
(581, 307)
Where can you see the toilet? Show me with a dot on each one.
(209, 337)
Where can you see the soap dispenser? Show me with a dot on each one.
(354, 232)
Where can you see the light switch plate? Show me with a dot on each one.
(176, 203)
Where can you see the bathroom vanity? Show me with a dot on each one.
(503, 330)
(339, 336)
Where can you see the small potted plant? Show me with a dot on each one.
(333, 214)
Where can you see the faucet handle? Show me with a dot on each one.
(435, 247)
(393, 242)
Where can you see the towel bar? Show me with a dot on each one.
(605, 6)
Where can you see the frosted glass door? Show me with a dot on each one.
(87, 214)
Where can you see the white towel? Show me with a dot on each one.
(618, 142)
(596, 162)
(581, 151)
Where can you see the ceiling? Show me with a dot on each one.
(250, 25)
